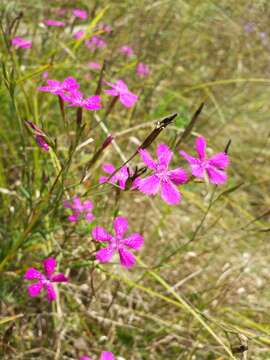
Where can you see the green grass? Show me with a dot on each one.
(199, 289)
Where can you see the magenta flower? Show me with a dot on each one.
(213, 167)
(82, 14)
(21, 43)
(50, 22)
(119, 178)
(60, 88)
(44, 281)
(127, 50)
(94, 66)
(105, 355)
(162, 179)
(76, 99)
(78, 34)
(117, 243)
(142, 70)
(126, 97)
(95, 42)
(77, 207)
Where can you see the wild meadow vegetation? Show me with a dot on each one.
(134, 179)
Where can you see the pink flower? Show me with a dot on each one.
(44, 281)
(82, 14)
(117, 243)
(75, 99)
(60, 88)
(142, 70)
(162, 179)
(105, 355)
(21, 43)
(77, 207)
(50, 22)
(78, 34)
(213, 167)
(126, 97)
(119, 178)
(95, 42)
(94, 66)
(127, 50)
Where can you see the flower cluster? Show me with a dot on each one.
(161, 178)
(68, 91)
(164, 180)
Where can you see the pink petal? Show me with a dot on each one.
(128, 99)
(32, 274)
(73, 218)
(149, 185)
(108, 168)
(59, 278)
(178, 176)
(120, 225)
(216, 176)
(105, 254)
(190, 159)
(134, 241)
(127, 259)
(112, 92)
(49, 266)
(200, 145)
(51, 294)
(122, 85)
(89, 217)
(103, 179)
(169, 193)
(70, 83)
(88, 205)
(34, 289)
(198, 170)
(106, 355)
(220, 160)
(100, 234)
(164, 154)
(92, 103)
(85, 358)
(147, 159)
